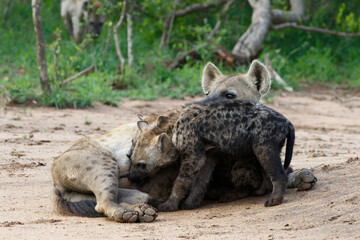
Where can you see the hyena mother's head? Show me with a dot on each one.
(250, 86)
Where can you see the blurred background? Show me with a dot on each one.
(170, 46)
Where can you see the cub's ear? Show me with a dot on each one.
(210, 74)
(143, 125)
(259, 76)
(161, 120)
(164, 142)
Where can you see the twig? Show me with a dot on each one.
(56, 75)
(143, 10)
(107, 44)
(6, 10)
(312, 29)
(116, 38)
(79, 74)
(275, 75)
(165, 36)
(130, 39)
(192, 51)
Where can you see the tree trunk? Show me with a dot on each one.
(40, 47)
(250, 45)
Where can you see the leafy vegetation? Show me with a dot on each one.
(298, 56)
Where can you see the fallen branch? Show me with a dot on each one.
(275, 75)
(79, 74)
(116, 38)
(312, 29)
(183, 56)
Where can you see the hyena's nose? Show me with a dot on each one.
(141, 165)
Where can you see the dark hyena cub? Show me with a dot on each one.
(242, 128)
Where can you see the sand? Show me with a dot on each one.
(327, 126)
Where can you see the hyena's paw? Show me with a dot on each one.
(123, 215)
(189, 204)
(170, 205)
(146, 213)
(273, 201)
(303, 179)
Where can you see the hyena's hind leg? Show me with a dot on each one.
(302, 179)
(269, 158)
(199, 186)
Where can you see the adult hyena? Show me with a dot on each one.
(82, 16)
(244, 129)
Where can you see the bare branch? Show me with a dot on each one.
(296, 13)
(183, 56)
(116, 37)
(40, 47)
(130, 39)
(275, 75)
(312, 29)
(79, 74)
(198, 7)
(6, 10)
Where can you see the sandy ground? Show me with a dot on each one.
(327, 126)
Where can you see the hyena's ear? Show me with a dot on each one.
(143, 125)
(260, 77)
(164, 142)
(210, 74)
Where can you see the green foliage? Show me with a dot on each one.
(298, 56)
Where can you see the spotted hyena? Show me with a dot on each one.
(244, 129)
(82, 16)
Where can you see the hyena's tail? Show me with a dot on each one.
(83, 208)
(289, 146)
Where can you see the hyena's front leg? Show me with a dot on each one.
(191, 164)
(105, 188)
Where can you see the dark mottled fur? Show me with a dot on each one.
(243, 129)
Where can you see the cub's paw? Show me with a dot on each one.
(123, 215)
(303, 179)
(146, 213)
(170, 205)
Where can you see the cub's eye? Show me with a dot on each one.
(141, 165)
(230, 96)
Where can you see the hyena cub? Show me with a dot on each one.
(242, 128)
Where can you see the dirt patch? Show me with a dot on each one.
(327, 141)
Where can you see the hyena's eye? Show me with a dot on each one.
(91, 23)
(230, 96)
